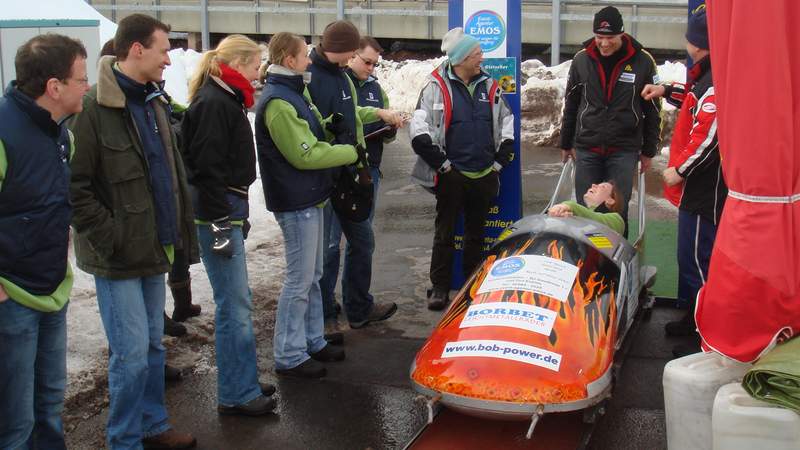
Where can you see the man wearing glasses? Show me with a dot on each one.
(360, 69)
(35, 277)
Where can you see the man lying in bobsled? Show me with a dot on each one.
(535, 327)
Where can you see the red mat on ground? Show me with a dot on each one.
(451, 430)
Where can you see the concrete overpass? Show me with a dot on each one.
(658, 24)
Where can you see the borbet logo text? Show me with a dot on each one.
(514, 315)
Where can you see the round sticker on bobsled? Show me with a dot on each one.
(508, 266)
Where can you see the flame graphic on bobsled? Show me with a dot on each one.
(536, 326)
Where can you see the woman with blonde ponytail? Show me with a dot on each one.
(221, 165)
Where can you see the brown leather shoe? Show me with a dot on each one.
(170, 439)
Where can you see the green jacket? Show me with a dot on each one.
(113, 207)
(611, 220)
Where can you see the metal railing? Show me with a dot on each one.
(556, 14)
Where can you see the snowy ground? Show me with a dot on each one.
(542, 99)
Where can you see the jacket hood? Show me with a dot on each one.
(319, 59)
(109, 92)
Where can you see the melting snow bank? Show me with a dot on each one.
(542, 93)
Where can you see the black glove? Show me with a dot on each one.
(362, 155)
(245, 228)
(341, 134)
(221, 231)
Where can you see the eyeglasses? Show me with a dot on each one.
(368, 62)
(81, 81)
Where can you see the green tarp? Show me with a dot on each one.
(775, 378)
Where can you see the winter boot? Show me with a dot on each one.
(683, 327)
(172, 328)
(182, 294)
(437, 299)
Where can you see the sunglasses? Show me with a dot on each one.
(368, 62)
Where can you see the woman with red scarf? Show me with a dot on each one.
(221, 163)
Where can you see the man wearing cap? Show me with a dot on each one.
(693, 179)
(463, 134)
(606, 126)
(332, 92)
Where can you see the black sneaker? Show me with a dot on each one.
(378, 313)
(336, 338)
(328, 353)
(267, 389)
(307, 369)
(683, 327)
(256, 407)
(437, 299)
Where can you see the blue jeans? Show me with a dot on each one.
(357, 275)
(132, 311)
(33, 375)
(235, 343)
(696, 237)
(593, 168)
(299, 326)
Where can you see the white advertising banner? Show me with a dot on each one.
(532, 273)
(507, 314)
(503, 350)
(485, 21)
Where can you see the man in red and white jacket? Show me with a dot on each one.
(693, 179)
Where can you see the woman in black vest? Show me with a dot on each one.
(296, 161)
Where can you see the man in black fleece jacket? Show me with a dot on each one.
(607, 127)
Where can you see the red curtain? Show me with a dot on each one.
(752, 294)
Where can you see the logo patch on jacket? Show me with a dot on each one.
(626, 77)
(304, 146)
(484, 98)
(345, 96)
(371, 98)
(628, 68)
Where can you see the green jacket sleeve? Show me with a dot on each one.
(297, 143)
(611, 220)
(89, 216)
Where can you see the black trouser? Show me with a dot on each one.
(180, 268)
(456, 193)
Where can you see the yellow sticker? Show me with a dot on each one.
(600, 241)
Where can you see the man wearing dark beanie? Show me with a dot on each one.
(606, 126)
(693, 178)
(332, 92)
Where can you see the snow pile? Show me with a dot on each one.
(179, 72)
(541, 101)
(542, 92)
(404, 80)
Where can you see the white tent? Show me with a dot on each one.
(21, 20)
(18, 10)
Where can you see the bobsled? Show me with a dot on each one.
(535, 327)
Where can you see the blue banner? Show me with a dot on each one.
(497, 25)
